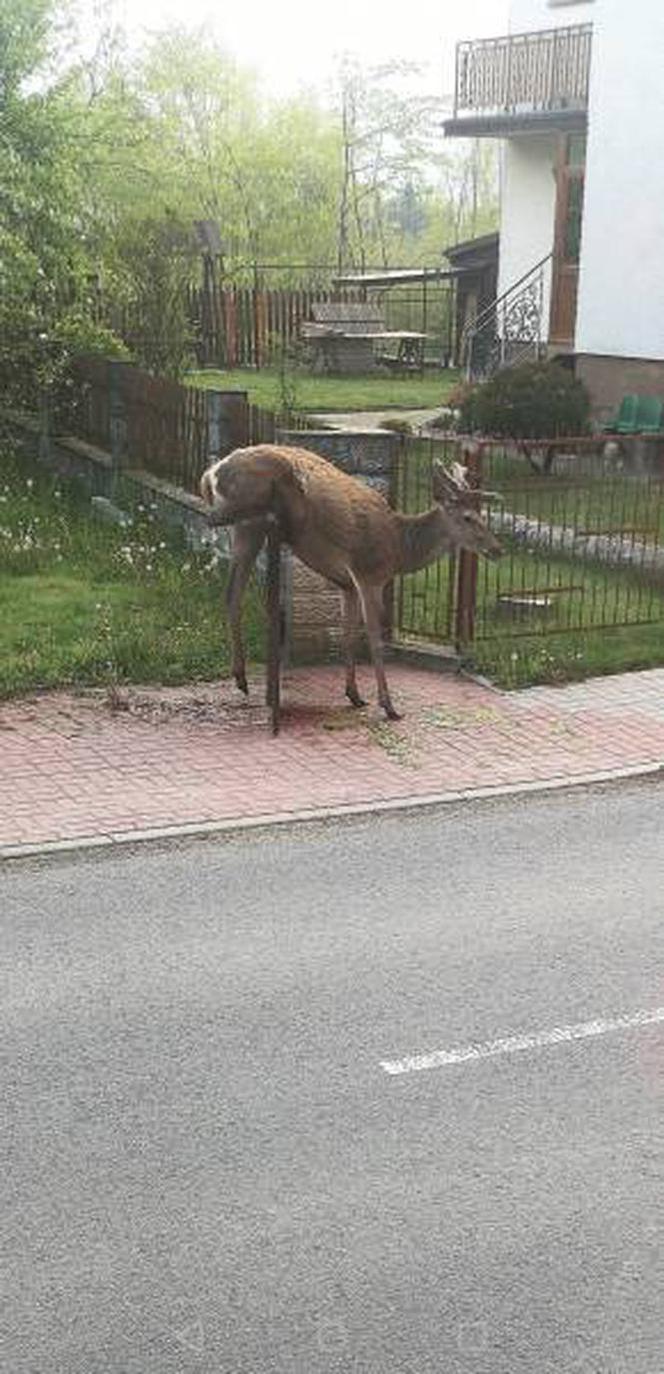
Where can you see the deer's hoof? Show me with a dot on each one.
(241, 682)
(391, 712)
(354, 697)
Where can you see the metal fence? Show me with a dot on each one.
(424, 603)
(582, 526)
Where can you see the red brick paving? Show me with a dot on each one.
(72, 767)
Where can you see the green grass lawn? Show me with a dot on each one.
(83, 602)
(334, 393)
(569, 657)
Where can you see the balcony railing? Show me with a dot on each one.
(524, 74)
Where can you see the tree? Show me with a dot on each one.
(45, 265)
(388, 140)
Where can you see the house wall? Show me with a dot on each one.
(528, 187)
(621, 281)
(527, 15)
(528, 198)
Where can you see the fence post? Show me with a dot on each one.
(228, 421)
(215, 425)
(468, 562)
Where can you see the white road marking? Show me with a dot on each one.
(514, 1044)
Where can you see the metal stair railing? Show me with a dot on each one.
(510, 329)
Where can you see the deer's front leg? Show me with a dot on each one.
(349, 638)
(248, 539)
(372, 610)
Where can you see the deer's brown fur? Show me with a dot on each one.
(339, 527)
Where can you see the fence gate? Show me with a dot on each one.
(582, 526)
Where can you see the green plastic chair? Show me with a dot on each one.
(625, 421)
(649, 415)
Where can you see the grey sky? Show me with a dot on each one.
(295, 42)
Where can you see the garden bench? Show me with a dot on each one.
(344, 335)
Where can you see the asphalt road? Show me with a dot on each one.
(205, 1166)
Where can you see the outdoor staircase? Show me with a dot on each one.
(510, 330)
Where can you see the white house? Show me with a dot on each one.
(575, 92)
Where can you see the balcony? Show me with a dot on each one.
(522, 82)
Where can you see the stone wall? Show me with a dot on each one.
(93, 469)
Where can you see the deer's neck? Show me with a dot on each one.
(423, 538)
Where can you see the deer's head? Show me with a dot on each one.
(458, 501)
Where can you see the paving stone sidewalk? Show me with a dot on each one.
(78, 765)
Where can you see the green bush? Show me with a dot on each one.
(397, 426)
(532, 401)
(51, 359)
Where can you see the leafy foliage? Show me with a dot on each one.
(532, 401)
(158, 257)
(44, 261)
(86, 602)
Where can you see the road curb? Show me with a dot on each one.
(117, 840)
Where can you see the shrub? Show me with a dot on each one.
(444, 421)
(531, 401)
(73, 334)
(158, 260)
(35, 358)
(397, 426)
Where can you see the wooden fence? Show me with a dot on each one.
(170, 430)
(241, 327)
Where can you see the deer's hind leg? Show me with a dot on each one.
(351, 622)
(248, 539)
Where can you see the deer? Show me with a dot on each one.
(342, 529)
